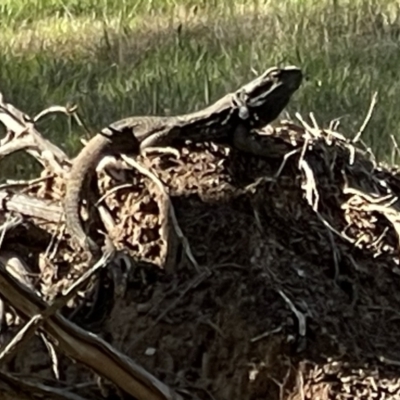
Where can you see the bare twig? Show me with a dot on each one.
(314, 132)
(389, 361)
(372, 105)
(300, 316)
(21, 338)
(314, 121)
(28, 138)
(86, 348)
(395, 149)
(31, 206)
(55, 109)
(24, 183)
(285, 159)
(37, 320)
(310, 186)
(266, 334)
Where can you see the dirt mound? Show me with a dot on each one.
(295, 294)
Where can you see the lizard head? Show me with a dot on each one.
(263, 99)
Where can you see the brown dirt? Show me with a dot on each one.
(228, 331)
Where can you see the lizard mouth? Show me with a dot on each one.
(291, 77)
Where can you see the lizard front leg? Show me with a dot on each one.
(247, 142)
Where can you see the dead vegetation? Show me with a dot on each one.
(286, 286)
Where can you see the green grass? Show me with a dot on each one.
(122, 58)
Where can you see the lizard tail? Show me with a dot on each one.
(73, 220)
(82, 167)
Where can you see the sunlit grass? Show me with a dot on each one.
(116, 59)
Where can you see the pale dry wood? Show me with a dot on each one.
(85, 347)
(26, 137)
(30, 206)
(374, 100)
(20, 271)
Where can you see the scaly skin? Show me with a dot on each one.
(118, 138)
(93, 151)
(108, 142)
(229, 120)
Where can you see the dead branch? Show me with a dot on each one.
(20, 271)
(25, 136)
(85, 348)
(30, 206)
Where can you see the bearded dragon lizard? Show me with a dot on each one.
(229, 120)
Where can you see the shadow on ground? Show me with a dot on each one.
(237, 332)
